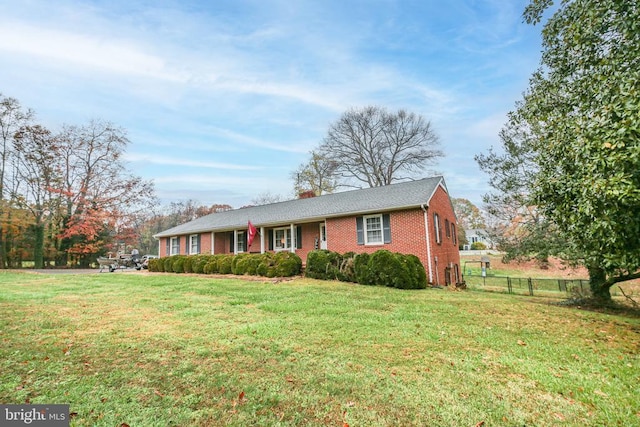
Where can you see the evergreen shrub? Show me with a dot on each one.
(188, 262)
(385, 268)
(287, 264)
(168, 264)
(317, 262)
(224, 264)
(361, 269)
(178, 263)
(266, 267)
(156, 265)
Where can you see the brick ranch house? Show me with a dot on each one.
(413, 217)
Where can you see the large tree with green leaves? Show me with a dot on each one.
(581, 118)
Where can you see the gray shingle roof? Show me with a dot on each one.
(355, 202)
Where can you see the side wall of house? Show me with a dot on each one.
(445, 256)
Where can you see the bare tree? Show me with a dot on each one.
(376, 147)
(96, 181)
(39, 181)
(266, 198)
(12, 118)
(318, 175)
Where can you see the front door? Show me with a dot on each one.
(323, 236)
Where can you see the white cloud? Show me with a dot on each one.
(173, 161)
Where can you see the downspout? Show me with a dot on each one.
(426, 230)
(213, 242)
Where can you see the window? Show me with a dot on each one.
(194, 244)
(175, 246)
(373, 230)
(454, 236)
(242, 241)
(436, 225)
(447, 230)
(282, 239)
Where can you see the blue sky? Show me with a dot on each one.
(222, 100)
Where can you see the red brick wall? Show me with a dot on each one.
(446, 252)
(205, 243)
(407, 235)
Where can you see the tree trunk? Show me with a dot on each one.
(38, 247)
(3, 253)
(598, 284)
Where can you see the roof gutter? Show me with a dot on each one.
(426, 231)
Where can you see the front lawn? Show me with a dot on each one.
(162, 349)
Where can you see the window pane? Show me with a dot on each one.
(373, 227)
(280, 241)
(240, 243)
(194, 244)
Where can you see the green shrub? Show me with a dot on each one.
(478, 246)
(178, 263)
(238, 266)
(168, 264)
(386, 269)
(287, 264)
(267, 265)
(188, 261)
(361, 269)
(329, 265)
(156, 265)
(224, 264)
(211, 267)
(416, 271)
(317, 262)
(252, 263)
(199, 262)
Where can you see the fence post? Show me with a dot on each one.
(509, 286)
(530, 286)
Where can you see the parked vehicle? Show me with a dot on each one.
(145, 261)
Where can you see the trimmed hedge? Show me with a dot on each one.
(381, 268)
(281, 264)
(329, 265)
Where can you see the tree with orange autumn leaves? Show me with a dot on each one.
(68, 193)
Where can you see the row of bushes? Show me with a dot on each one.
(280, 264)
(380, 268)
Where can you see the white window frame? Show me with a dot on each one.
(174, 245)
(241, 241)
(436, 224)
(193, 244)
(286, 237)
(365, 226)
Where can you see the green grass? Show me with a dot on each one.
(160, 350)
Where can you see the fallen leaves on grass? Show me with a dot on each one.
(241, 399)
